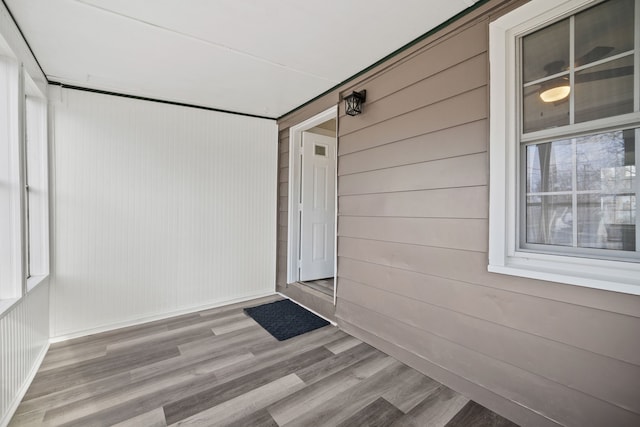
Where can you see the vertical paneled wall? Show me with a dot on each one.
(24, 337)
(24, 326)
(159, 209)
(412, 250)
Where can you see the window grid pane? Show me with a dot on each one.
(582, 192)
(600, 42)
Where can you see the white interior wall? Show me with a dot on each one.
(24, 326)
(24, 340)
(159, 209)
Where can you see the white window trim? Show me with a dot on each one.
(12, 279)
(37, 147)
(504, 258)
(13, 263)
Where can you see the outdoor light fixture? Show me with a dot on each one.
(353, 103)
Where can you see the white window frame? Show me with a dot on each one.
(504, 254)
(36, 150)
(12, 280)
(14, 127)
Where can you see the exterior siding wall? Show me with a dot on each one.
(283, 206)
(413, 241)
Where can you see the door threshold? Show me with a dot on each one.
(324, 286)
(309, 297)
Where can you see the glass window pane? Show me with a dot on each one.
(605, 90)
(538, 114)
(545, 52)
(550, 220)
(549, 167)
(607, 221)
(604, 30)
(599, 159)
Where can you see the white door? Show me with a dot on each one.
(317, 223)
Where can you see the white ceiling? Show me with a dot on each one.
(262, 57)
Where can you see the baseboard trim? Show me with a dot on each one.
(4, 422)
(161, 316)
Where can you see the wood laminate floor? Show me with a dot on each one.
(220, 368)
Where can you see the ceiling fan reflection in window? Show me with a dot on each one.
(558, 90)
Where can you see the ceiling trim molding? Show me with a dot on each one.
(24, 38)
(161, 101)
(391, 55)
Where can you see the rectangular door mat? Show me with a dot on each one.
(285, 319)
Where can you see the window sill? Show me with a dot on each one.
(615, 276)
(6, 304)
(34, 281)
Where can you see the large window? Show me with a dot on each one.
(36, 209)
(564, 124)
(24, 195)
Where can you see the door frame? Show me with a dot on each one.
(295, 166)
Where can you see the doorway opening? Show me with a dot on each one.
(311, 253)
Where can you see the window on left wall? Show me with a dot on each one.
(24, 195)
(36, 209)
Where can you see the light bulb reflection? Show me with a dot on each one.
(555, 94)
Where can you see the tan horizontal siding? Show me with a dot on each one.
(571, 324)
(283, 188)
(281, 276)
(570, 407)
(284, 144)
(282, 233)
(460, 140)
(284, 159)
(283, 203)
(283, 200)
(468, 75)
(282, 250)
(484, 396)
(463, 202)
(590, 373)
(421, 66)
(412, 249)
(470, 170)
(457, 233)
(471, 267)
(283, 219)
(283, 175)
(464, 108)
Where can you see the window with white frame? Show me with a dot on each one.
(36, 209)
(11, 262)
(24, 197)
(565, 119)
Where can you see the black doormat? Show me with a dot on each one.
(285, 319)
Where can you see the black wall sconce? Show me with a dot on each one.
(353, 103)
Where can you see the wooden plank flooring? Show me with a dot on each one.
(220, 368)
